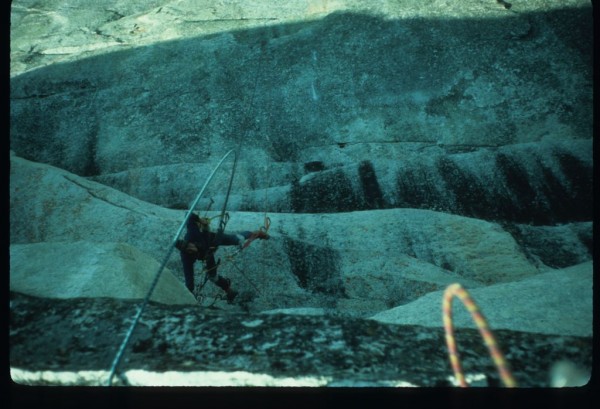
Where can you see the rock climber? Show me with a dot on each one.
(201, 244)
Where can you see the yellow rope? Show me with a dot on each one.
(501, 364)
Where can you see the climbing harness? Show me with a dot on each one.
(121, 350)
(501, 364)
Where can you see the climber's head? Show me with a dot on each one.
(203, 223)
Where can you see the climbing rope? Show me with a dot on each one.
(171, 247)
(224, 217)
(201, 298)
(264, 228)
(247, 279)
(501, 364)
(231, 257)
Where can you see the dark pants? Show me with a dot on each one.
(208, 256)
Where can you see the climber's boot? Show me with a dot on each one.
(225, 284)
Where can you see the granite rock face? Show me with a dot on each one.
(359, 261)
(91, 269)
(339, 88)
(341, 278)
(557, 302)
(394, 147)
(540, 183)
(199, 347)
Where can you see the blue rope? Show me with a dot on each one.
(123, 346)
(222, 224)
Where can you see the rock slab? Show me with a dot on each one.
(187, 344)
(555, 302)
(91, 269)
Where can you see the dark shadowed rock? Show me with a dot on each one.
(476, 86)
(556, 246)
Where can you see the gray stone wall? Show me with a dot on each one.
(396, 146)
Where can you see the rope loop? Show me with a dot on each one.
(501, 364)
(264, 228)
(266, 225)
